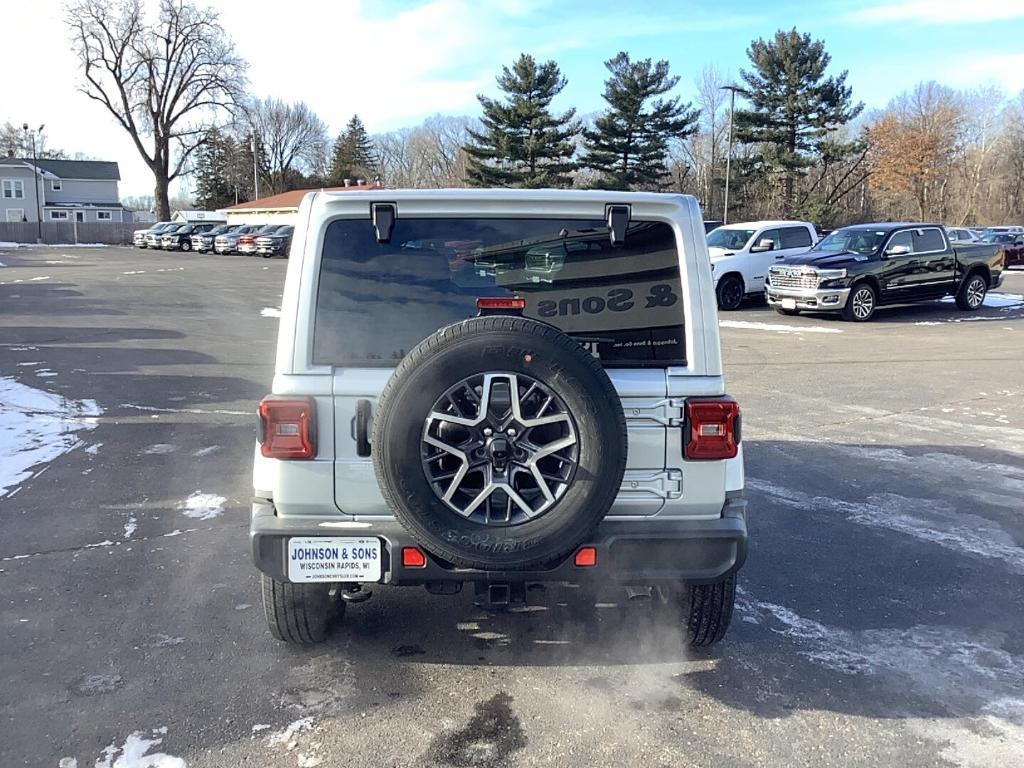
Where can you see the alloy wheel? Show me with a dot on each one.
(863, 303)
(499, 448)
(975, 293)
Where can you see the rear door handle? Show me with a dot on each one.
(361, 428)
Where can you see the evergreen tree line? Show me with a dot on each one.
(802, 145)
(291, 152)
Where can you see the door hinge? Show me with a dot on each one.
(668, 413)
(666, 484)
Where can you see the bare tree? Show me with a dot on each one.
(161, 81)
(704, 151)
(291, 140)
(16, 142)
(430, 155)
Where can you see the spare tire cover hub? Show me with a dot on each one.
(500, 448)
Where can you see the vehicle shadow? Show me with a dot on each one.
(52, 298)
(882, 593)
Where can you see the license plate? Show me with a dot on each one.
(789, 303)
(334, 558)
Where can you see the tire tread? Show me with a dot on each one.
(709, 611)
(298, 613)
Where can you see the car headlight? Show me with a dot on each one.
(831, 274)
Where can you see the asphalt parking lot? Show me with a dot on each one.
(880, 619)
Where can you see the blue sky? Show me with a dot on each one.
(395, 63)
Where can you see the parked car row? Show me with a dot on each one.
(855, 269)
(248, 239)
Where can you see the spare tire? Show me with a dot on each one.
(499, 443)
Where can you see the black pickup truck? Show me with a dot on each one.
(856, 269)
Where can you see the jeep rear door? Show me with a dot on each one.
(623, 303)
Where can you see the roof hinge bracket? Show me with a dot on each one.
(617, 217)
(383, 216)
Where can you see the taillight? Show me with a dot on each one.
(287, 428)
(712, 429)
(501, 302)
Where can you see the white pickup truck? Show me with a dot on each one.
(741, 254)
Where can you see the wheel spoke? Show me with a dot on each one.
(498, 447)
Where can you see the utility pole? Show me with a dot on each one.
(35, 180)
(733, 89)
(255, 167)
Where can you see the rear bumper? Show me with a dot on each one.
(645, 552)
(814, 299)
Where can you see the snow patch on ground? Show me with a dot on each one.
(750, 325)
(203, 506)
(134, 753)
(928, 520)
(207, 450)
(270, 312)
(94, 449)
(997, 300)
(130, 527)
(135, 272)
(968, 672)
(287, 736)
(161, 448)
(1003, 476)
(36, 427)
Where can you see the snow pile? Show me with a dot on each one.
(36, 427)
(270, 312)
(203, 506)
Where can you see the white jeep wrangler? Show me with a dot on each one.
(497, 387)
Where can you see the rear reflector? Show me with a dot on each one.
(713, 429)
(586, 557)
(412, 557)
(287, 428)
(501, 302)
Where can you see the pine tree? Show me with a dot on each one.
(354, 155)
(794, 106)
(523, 144)
(214, 185)
(629, 142)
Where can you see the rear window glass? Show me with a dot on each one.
(796, 237)
(376, 301)
(928, 240)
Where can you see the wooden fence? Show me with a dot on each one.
(66, 232)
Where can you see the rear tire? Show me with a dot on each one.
(186, 246)
(707, 611)
(972, 293)
(301, 614)
(730, 292)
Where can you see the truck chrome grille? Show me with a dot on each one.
(792, 278)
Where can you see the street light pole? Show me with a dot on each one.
(35, 180)
(255, 167)
(728, 156)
